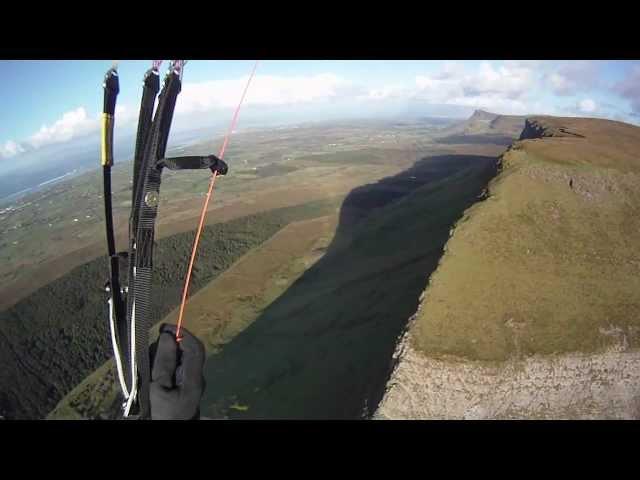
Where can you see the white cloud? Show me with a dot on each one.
(385, 92)
(72, 124)
(559, 84)
(509, 87)
(10, 149)
(629, 89)
(124, 115)
(449, 70)
(587, 105)
(571, 77)
(503, 89)
(494, 103)
(265, 90)
(511, 82)
(524, 63)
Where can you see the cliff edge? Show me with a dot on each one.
(534, 309)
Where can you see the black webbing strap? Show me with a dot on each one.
(195, 163)
(148, 208)
(114, 260)
(150, 89)
(151, 86)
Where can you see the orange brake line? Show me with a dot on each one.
(203, 214)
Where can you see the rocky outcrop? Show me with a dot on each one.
(537, 127)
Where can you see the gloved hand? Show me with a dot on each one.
(177, 383)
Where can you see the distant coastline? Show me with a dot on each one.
(22, 193)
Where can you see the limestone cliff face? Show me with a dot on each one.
(534, 309)
(571, 386)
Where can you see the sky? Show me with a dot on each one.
(55, 102)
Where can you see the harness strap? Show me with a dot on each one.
(150, 89)
(143, 247)
(130, 309)
(151, 86)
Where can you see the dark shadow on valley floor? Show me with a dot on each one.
(323, 349)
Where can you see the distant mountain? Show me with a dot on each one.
(482, 122)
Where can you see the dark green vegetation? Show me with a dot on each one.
(54, 338)
(323, 349)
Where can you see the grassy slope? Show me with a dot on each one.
(51, 340)
(218, 311)
(323, 348)
(549, 263)
(297, 337)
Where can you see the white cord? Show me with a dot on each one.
(134, 366)
(134, 369)
(116, 350)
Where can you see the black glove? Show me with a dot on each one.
(177, 383)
